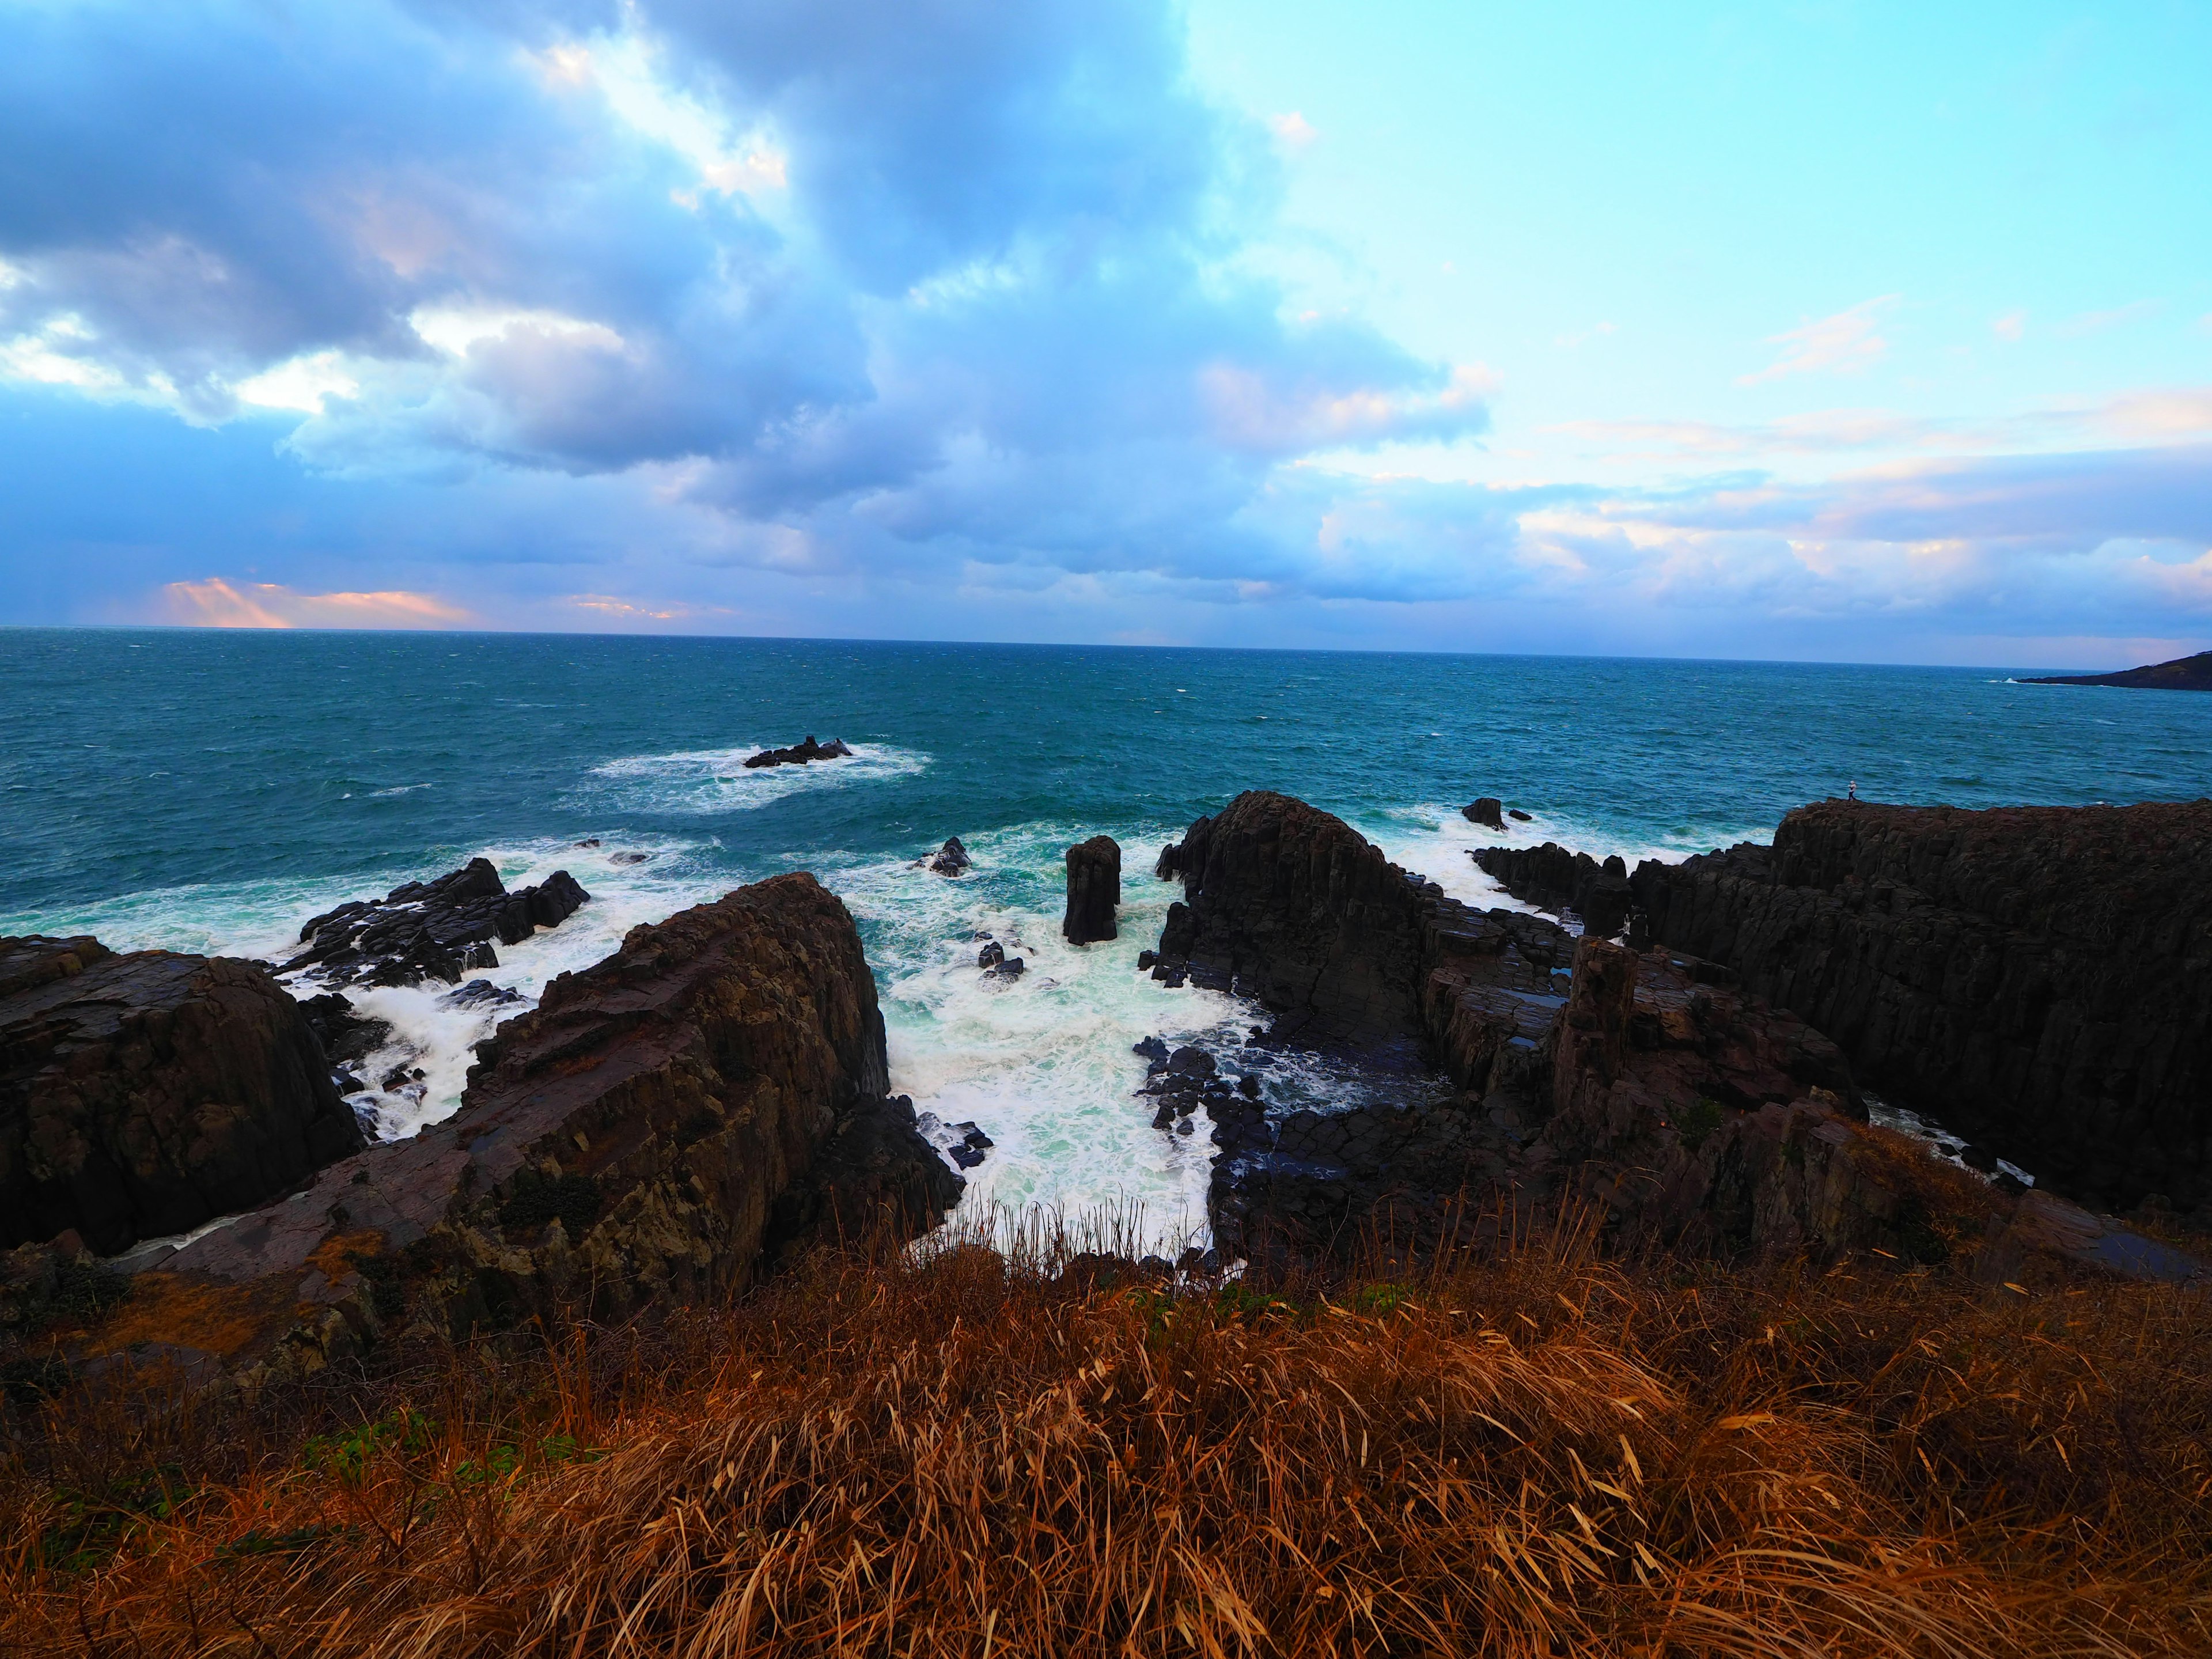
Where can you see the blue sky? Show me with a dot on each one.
(1856, 331)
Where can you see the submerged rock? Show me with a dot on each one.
(800, 753)
(144, 1093)
(432, 930)
(1094, 891)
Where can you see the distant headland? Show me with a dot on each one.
(2182, 674)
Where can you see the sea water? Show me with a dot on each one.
(208, 791)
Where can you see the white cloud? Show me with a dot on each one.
(1292, 131)
(1842, 344)
(216, 602)
(2012, 325)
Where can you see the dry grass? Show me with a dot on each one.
(1528, 1452)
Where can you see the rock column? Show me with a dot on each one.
(1094, 890)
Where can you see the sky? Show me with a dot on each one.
(1821, 331)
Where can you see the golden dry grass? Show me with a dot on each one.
(1531, 1451)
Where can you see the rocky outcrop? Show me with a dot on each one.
(800, 753)
(1597, 893)
(1094, 891)
(2182, 674)
(143, 1094)
(438, 929)
(1291, 906)
(1488, 810)
(2037, 979)
(950, 860)
(663, 1124)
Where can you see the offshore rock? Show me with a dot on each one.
(665, 1124)
(144, 1093)
(800, 753)
(1489, 811)
(432, 929)
(1094, 891)
(1558, 879)
(2037, 979)
(950, 860)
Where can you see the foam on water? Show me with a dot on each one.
(1043, 1063)
(700, 781)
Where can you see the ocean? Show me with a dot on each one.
(209, 791)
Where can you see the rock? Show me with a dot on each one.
(665, 1124)
(1094, 891)
(629, 858)
(144, 1093)
(1514, 812)
(800, 753)
(950, 860)
(589, 841)
(1012, 968)
(482, 993)
(1558, 879)
(1291, 906)
(1487, 811)
(1147, 960)
(347, 1038)
(991, 955)
(431, 929)
(2034, 979)
(1189, 1062)
(1151, 1047)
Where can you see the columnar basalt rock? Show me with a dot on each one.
(664, 1123)
(143, 1094)
(2037, 979)
(1094, 891)
(1596, 891)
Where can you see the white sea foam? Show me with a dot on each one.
(704, 780)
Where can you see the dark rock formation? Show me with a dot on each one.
(2039, 980)
(1516, 813)
(800, 753)
(663, 1124)
(1293, 908)
(144, 1093)
(2182, 674)
(1560, 880)
(950, 860)
(1094, 890)
(432, 929)
(1488, 812)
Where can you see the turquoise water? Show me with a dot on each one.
(208, 791)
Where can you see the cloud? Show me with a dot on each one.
(2097, 322)
(216, 602)
(1292, 131)
(2012, 325)
(1842, 344)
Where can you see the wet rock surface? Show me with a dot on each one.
(431, 929)
(1488, 812)
(1094, 891)
(800, 753)
(663, 1124)
(145, 1093)
(950, 860)
(2037, 979)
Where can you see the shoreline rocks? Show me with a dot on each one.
(439, 929)
(2181, 674)
(1094, 891)
(2037, 979)
(1551, 876)
(144, 1093)
(800, 753)
(666, 1123)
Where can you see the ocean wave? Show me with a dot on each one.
(698, 782)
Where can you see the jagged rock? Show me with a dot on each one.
(800, 753)
(1293, 908)
(1010, 968)
(663, 1124)
(950, 860)
(432, 929)
(991, 955)
(1094, 890)
(144, 1093)
(1487, 812)
(2037, 979)
(1558, 879)
(347, 1038)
